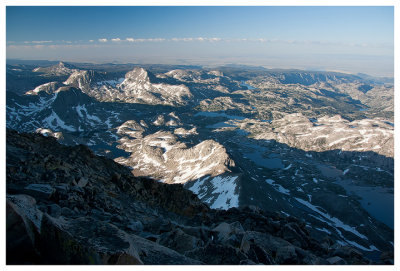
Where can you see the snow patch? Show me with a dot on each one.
(218, 191)
(54, 122)
(278, 187)
(335, 221)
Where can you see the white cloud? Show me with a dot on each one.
(156, 40)
(214, 39)
(41, 41)
(196, 39)
(130, 39)
(91, 40)
(116, 40)
(103, 40)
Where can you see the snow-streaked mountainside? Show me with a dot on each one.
(135, 88)
(49, 88)
(316, 146)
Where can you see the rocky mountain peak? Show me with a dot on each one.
(138, 75)
(56, 70)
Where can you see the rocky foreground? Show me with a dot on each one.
(66, 205)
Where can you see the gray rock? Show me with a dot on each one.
(135, 226)
(82, 182)
(225, 230)
(85, 241)
(78, 190)
(155, 254)
(62, 188)
(286, 255)
(22, 229)
(292, 233)
(65, 211)
(387, 257)
(247, 262)
(284, 251)
(179, 241)
(44, 191)
(346, 252)
(54, 210)
(336, 260)
(217, 254)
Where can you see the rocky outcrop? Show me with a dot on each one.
(161, 156)
(56, 70)
(328, 133)
(87, 209)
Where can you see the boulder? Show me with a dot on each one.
(294, 234)
(179, 241)
(82, 182)
(387, 257)
(22, 229)
(347, 252)
(336, 260)
(54, 210)
(85, 241)
(225, 231)
(259, 255)
(247, 262)
(286, 255)
(135, 226)
(156, 254)
(217, 254)
(39, 191)
(280, 251)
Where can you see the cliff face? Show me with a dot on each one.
(66, 205)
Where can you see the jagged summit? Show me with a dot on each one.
(56, 70)
(138, 75)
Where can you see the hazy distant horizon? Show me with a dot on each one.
(347, 39)
(208, 64)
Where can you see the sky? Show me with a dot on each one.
(348, 39)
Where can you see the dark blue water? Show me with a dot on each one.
(377, 201)
(271, 162)
(243, 84)
(220, 125)
(218, 114)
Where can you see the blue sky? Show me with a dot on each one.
(351, 39)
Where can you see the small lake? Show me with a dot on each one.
(377, 201)
(329, 171)
(243, 84)
(220, 125)
(218, 114)
(270, 162)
